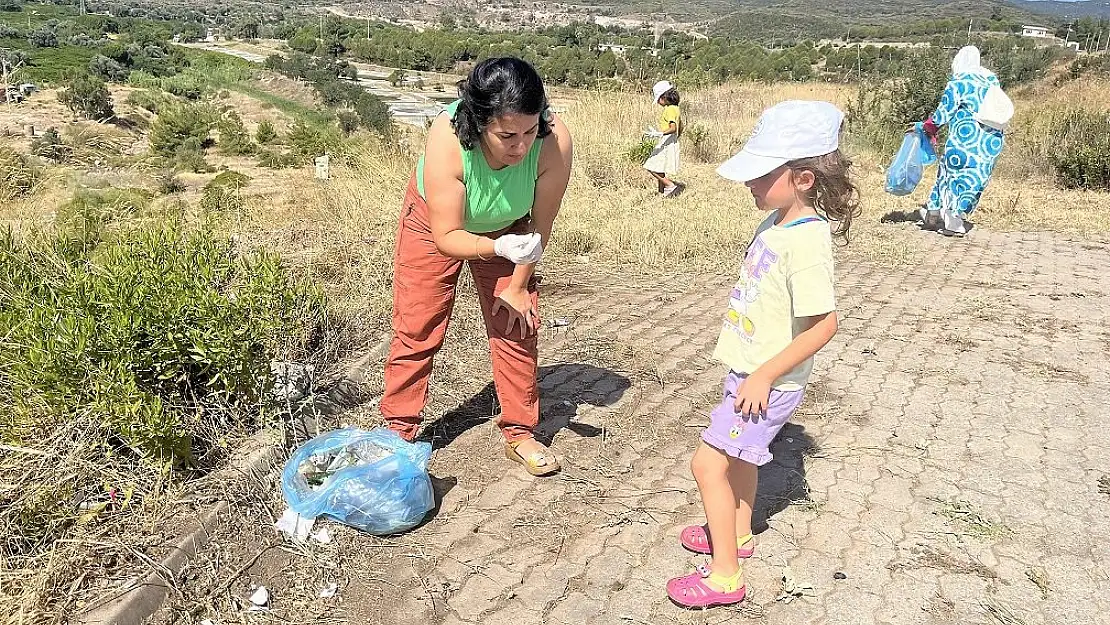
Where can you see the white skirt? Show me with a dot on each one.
(664, 158)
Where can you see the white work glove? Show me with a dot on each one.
(520, 249)
(651, 133)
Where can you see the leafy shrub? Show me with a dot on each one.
(50, 145)
(183, 125)
(222, 194)
(882, 109)
(151, 100)
(1080, 154)
(699, 140)
(169, 183)
(18, 176)
(43, 37)
(266, 132)
(107, 69)
(234, 138)
(84, 221)
(308, 140)
(87, 96)
(159, 339)
(640, 152)
(373, 113)
(348, 121)
(277, 160)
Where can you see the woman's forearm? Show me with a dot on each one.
(464, 245)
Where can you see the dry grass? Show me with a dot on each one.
(340, 232)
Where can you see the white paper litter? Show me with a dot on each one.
(329, 591)
(294, 525)
(322, 536)
(260, 599)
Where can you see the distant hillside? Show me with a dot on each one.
(1089, 8)
(848, 13)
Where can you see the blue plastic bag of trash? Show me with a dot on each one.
(905, 171)
(371, 480)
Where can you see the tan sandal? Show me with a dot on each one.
(538, 463)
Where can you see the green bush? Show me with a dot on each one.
(222, 194)
(83, 221)
(234, 138)
(87, 95)
(640, 152)
(150, 99)
(18, 176)
(348, 121)
(882, 109)
(159, 339)
(182, 125)
(266, 132)
(276, 160)
(50, 145)
(698, 138)
(1080, 153)
(308, 140)
(169, 183)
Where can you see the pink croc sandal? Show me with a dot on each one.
(692, 591)
(696, 539)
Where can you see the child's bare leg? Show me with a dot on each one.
(659, 178)
(711, 470)
(744, 478)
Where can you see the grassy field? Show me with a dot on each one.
(339, 233)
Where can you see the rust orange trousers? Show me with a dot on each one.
(424, 283)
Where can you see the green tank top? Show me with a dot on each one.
(495, 198)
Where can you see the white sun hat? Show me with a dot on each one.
(660, 88)
(785, 132)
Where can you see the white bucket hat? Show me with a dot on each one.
(785, 132)
(660, 88)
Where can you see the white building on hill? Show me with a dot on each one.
(1037, 32)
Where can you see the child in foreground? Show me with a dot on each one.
(781, 312)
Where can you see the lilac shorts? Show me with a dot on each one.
(749, 440)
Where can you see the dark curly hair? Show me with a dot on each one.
(496, 87)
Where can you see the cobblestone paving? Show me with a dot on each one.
(948, 466)
(947, 463)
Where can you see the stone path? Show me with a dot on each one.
(950, 463)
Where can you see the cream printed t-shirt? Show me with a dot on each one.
(787, 275)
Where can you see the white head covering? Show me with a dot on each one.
(967, 62)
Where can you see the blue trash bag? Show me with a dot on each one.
(371, 480)
(905, 171)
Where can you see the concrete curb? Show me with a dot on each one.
(256, 459)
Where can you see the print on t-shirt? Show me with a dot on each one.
(758, 261)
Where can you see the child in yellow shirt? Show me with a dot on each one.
(664, 160)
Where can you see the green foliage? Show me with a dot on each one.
(373, 113)
(883, 109)
(108, 70)
(308, 140)
(276, 160)
(169, 183)
(18, 176)
(50, 145)
(88, 96)
(157, 338)
(151, 100)
(1080, 153)
(182, 125)
(43, 37)
(266, 132)
(234, 138)
(348, 121)
(698, 138)
(84, 221)
(222, 194)
(640, 152)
